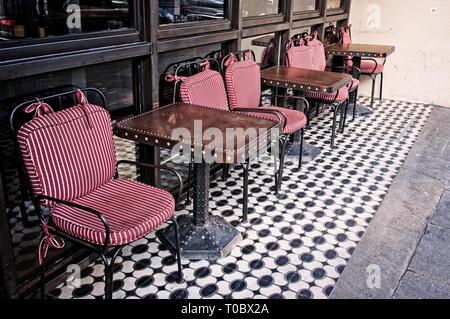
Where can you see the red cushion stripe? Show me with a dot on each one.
(63, 156)
(206, 89)
(132, 209)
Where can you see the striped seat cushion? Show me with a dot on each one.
(132, 210)
(70, 153)
(295, 120)
(205, 88)
(300, 57)
(355, 84)
(368, 67)
(328, 97)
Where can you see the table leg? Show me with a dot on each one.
(202, 236)
(361, 110)
(310, 152)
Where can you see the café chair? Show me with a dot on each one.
(207, 88)
(267, 58)
(369, 67)
(70, 163)
(243, 84)
(319, 61)
(301, 56)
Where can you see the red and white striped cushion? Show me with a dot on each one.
(300, 57)
(243, 81)
(355, 84)
(205, 88)
(132, 210)
(295, 120)
(318, 55)
(328, 97)
(70, 153)
(368, 67)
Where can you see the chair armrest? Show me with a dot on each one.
(376, 63)
(92, 211)
(294, 97)
(178, 176)
(282, 119)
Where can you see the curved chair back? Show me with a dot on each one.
(242, 79)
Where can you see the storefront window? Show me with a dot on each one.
(305, 5)
(253, 8)
(21, 19)
(179, 11)
(113, 79)
(334, 4)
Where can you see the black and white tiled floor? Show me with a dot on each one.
(296, 244)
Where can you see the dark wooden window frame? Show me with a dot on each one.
(342, 10)
(280, 17)
(309, 14)
(67, 43)
(166, 31)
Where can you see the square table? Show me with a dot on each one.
(304, 80)
(202, 236)
(357, 52)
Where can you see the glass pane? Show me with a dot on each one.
(305, 5)
(252, 8)
(46, 18)
(178, 11)
(334, 4)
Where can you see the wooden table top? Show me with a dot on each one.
(263, 41)
(361, 50)
(305, 80)
(157, 128)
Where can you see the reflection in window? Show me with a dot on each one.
(45, 18)
(179, 11)
(113, 79)
(252, 8)
(305, 5)
(334, 4)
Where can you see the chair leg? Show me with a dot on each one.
(355, 99)
(108, 277)
(284, 143)
(381, 86)
(188, 193)
(344, 120)
(245, 167)
(333, 129)
(225, 172)
(177, 243)
(373, 90)
(300, 160)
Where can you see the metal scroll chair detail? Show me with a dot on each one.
(73, 169)
(243, 83)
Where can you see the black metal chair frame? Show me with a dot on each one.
(284, 138)
(105, 249)
(335, 105)
(372, 75)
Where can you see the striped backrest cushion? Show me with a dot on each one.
(205, 88)
(243, 81)
(70, 153)
(318, 55)
(300, 57)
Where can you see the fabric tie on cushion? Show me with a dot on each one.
(82, 99)
(40, 108)
(49, 240)
(231, 59)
